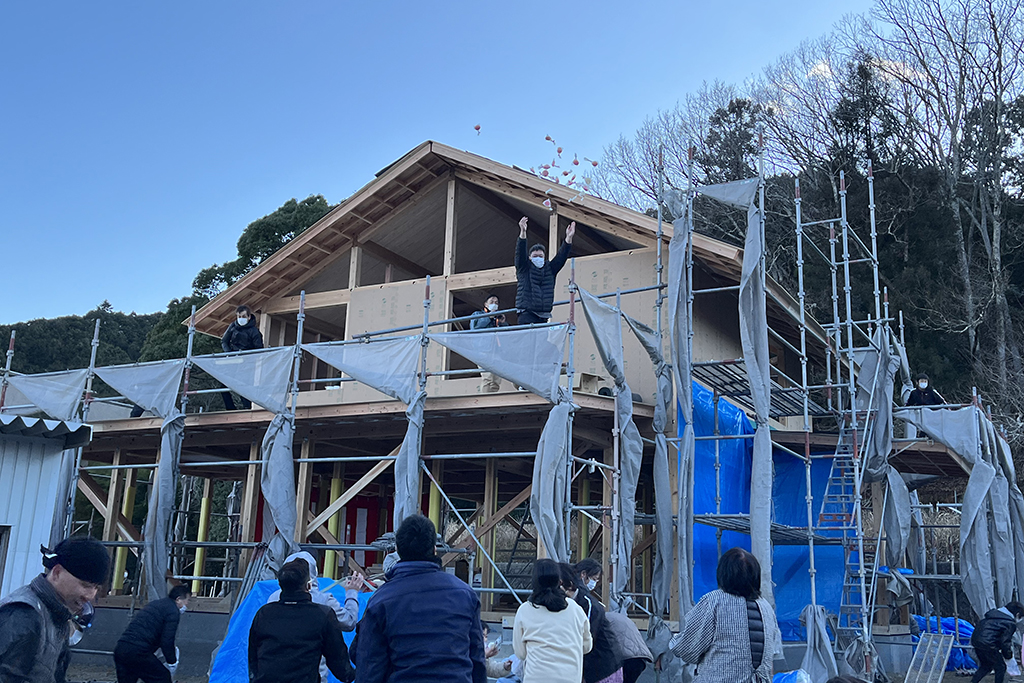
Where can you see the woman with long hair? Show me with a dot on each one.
(551, 633)
(603, 663)
(731, 634)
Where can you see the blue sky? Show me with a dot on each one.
(138, 139)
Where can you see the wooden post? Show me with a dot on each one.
(451, 226)
(304, 486)
(127, 507)
(334, 523)
(434, 511)
(265, 320)
(203, 534)
(114, 494)
(250, 501)
(490, 506)
(582, 519)
(606, 529)
(355, 266)
(553, 231)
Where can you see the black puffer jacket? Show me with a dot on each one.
(995, 632)
(238, 338)
(535, 290)
(924, 397)
(153, 627)
(755, 627)
(603, 659)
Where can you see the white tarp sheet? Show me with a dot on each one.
(754, 340)
(547, 499)
(55, 393)
(389, 365)
(680, 330)
(262, 376)
(161, 505)
(407, 464)
(606, 325)
(530, 358)
(875, 380)
(277, 481)
(819, 661)
(151, 386)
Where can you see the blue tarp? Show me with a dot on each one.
(232, 662)
(958, 658)
(790, 571)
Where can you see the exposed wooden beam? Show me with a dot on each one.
(355, 266)
(389, 256)
(304, 486)
(451, 227)
(351, 493)
(95, 494)
(315, 300)
(553, 231)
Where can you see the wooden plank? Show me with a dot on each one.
(482, 279)
(114, 495)
(250, 494)
(351, 493)
(494, 520)
(331, 539)
(451, 227)
(388, 256)
(553, 243)
(355, 266)
(304, 486)
(95, 494)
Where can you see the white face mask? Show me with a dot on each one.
(243, 320)
(922, 385)
(492, 307)
(183, 608)
(538, 261)
(75, 636)
(591, 584)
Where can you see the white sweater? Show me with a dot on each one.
(551, 644)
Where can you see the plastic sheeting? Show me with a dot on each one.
(55, 393)
(530, 357)
(917, 553)
(389, 365)
(874, 391)
(738, 193)
(606, 326)
(161, 504)
(754, 340)
(1016, 503)
(819, 661)
(896, 518)
(975, 547)
(262, 376)
(231, 659)
(956, 429)
(959, 658)
(547, 499)
(277, 481)
(151, 386)
(407, 464)
(661, 577)
(680, 333)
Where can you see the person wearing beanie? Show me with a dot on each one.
(153, 627)
(423, 624)
(924, 394)
(35, 620)
(535, 276)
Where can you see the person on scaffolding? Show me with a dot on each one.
(535, 276)
(242, 335)
(923, 394)
(483, 320)
(993, 640)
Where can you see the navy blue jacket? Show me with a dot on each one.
(153, 628)
(422, 625)
(535, 287)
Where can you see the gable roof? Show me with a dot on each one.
(404, 183)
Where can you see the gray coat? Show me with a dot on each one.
(716, 638)
(628, 639)
(34, 632)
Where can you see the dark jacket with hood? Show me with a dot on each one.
(535, 288)
(603, 659)
(288, 637)
(995, 632)
(239, 338)
(34, 634)
(924, 397)
(423, 624)
(153, 627)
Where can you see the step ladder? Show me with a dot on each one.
(930, 658)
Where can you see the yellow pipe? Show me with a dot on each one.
(333, 526)
(203, 535)
(434, 512)
(121, 556)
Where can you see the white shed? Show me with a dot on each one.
(31, 451)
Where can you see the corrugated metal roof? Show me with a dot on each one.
(73, 434)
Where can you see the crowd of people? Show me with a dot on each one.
(423, 624)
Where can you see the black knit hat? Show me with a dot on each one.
(85, 558)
